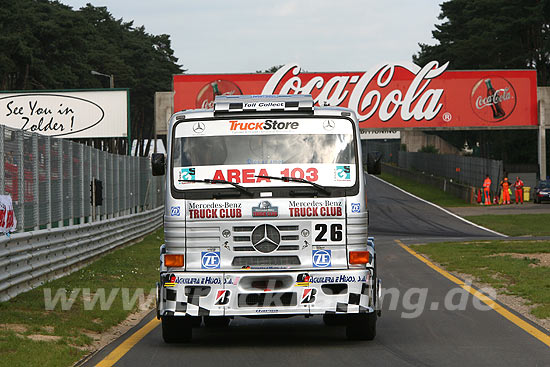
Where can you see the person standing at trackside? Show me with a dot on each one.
(486, 190)
(505, 191)
(518, 185)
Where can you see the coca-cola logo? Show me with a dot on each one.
(493, 98)
(370, 93)
(209, 91)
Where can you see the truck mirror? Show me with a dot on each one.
(374, 163)
(158, 164)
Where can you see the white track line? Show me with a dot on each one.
(440, 208)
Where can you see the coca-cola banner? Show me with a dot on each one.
(388, 96)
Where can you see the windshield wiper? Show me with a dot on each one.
(234, 184)
(297, 179)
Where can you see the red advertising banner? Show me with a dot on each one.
(387, 96)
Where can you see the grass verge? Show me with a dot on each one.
(429, 193)
(515, 224)
(33, 335)
(513, 267)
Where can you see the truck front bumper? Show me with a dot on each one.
(267, 293)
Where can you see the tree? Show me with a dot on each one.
(48, 45)
(270, 70)
(493, 34)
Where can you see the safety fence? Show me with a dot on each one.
(470, 171)
(49, 181)
(29, 259)
(54, 184)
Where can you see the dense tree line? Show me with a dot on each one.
(494, 34)
(48, 45)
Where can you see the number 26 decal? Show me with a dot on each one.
(335, 232)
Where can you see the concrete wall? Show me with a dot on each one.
(415, 140)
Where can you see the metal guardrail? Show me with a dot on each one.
(29, 259)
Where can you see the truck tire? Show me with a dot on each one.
(177, 329)
(216, 321)
(361, 326)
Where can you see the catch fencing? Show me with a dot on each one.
(49, 181)
(470, 171)
(58, 229)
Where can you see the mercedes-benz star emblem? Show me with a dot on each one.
(328, 125)
(198, 128)
(266, 238)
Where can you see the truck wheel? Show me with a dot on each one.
(177, 329)
(216, 321)
(361, 326)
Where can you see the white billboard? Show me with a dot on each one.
(67, 114)
(379, 134)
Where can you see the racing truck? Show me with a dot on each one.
(265, 216)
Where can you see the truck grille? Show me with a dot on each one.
(288, 233)
(265, 260)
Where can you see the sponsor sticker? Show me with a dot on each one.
(222, 297)
(308, 295)
(303, 280)
(264, 209)
(210, 260)
(174, 211)
(355, 207)
(187, 174)
(170, 281)
(321, 258)
(342, 173)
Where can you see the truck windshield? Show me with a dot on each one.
(263, 149)
(317, 150)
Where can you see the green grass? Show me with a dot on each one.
(515, 224)
(133, 267)
(426, 192)
(515, 276)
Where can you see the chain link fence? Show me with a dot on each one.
(469, 171)
(49, 181)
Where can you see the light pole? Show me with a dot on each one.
(111, 77)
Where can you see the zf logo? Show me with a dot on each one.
(321, 258)
(343, 172)
(355, 207)
(175, 211)
(187, 174)
(210, 260)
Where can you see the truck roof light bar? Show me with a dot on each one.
(260, 103)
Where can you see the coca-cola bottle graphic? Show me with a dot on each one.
(493, 97)
(209, 91)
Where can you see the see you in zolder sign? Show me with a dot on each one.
(67, 114)
(389, 96)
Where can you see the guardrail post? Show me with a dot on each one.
(2, 175)
(36, 193)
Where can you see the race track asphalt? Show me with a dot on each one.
(407, 334)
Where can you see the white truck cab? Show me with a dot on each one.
(265, 215)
